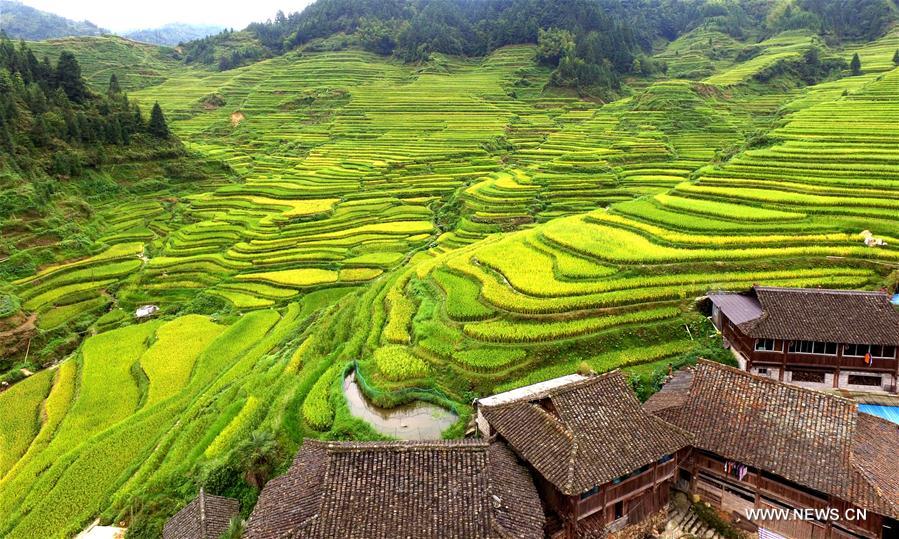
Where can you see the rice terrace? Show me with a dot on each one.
(392, 209)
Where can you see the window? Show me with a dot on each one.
(589, 493)
(763, 370)
(813, 347)
(858, 380)
(619, 510)
(876, 350)
(666, 458)
(808, 376)
(765, 345)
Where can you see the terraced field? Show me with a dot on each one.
(448, 230)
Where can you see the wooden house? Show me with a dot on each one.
(811, 337)
(389, 490)
(206, 517)
(762, 444)
(600, 462)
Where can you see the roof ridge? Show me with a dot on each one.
(854, 465)
(572, 457)
(765, 379)
(558, 390)
(555, 420)
(469, 444)
(834, 291)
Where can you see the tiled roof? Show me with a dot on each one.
(206, 517)
(739, 308)
(874, 448)
(586, 433)
(677, 389)
(435, 489)
(292, 500)
(809, 314)
(817, 440)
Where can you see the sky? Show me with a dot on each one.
(118, 15)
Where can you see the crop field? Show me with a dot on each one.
(450, 229)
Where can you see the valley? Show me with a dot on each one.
(449, 229)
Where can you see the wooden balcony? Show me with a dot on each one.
(630, 487)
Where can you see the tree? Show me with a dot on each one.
(856, 65)
(258, 457)
(896, 57)
(157, 126)
(68, 75)
(114, 88)
(553, 45)
(377, 36)
(138, 121)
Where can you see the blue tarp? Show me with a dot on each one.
(890, 413)
(895, 300)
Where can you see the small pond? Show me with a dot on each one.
(417, 420)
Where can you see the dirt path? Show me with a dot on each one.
(27, 325)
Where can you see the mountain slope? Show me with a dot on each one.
(173, 34)
(448, 228)
(24, 22)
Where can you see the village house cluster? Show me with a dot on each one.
(580, 457)
(823, 339)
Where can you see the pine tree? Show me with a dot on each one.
(114, 88)
(68, 75)
(138, 122)
(896, 58)
(856, 65)
(157, 126)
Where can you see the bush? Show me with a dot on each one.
(9, 305)
(317, 409)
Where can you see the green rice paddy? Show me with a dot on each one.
(451, 229)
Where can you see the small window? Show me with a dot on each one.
(619, 510)
(763, 370)
(764, 345)
(858, 380)
(889, 352)
(830, 348)
(855, 350)
(589, 493)
(808, 376)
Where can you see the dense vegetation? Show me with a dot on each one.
(449, 227)
(590, 43)
(50, 118)
(24, 22)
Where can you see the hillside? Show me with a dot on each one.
(24, 22)
(137, 65)
(449, 227)
(172, 34)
